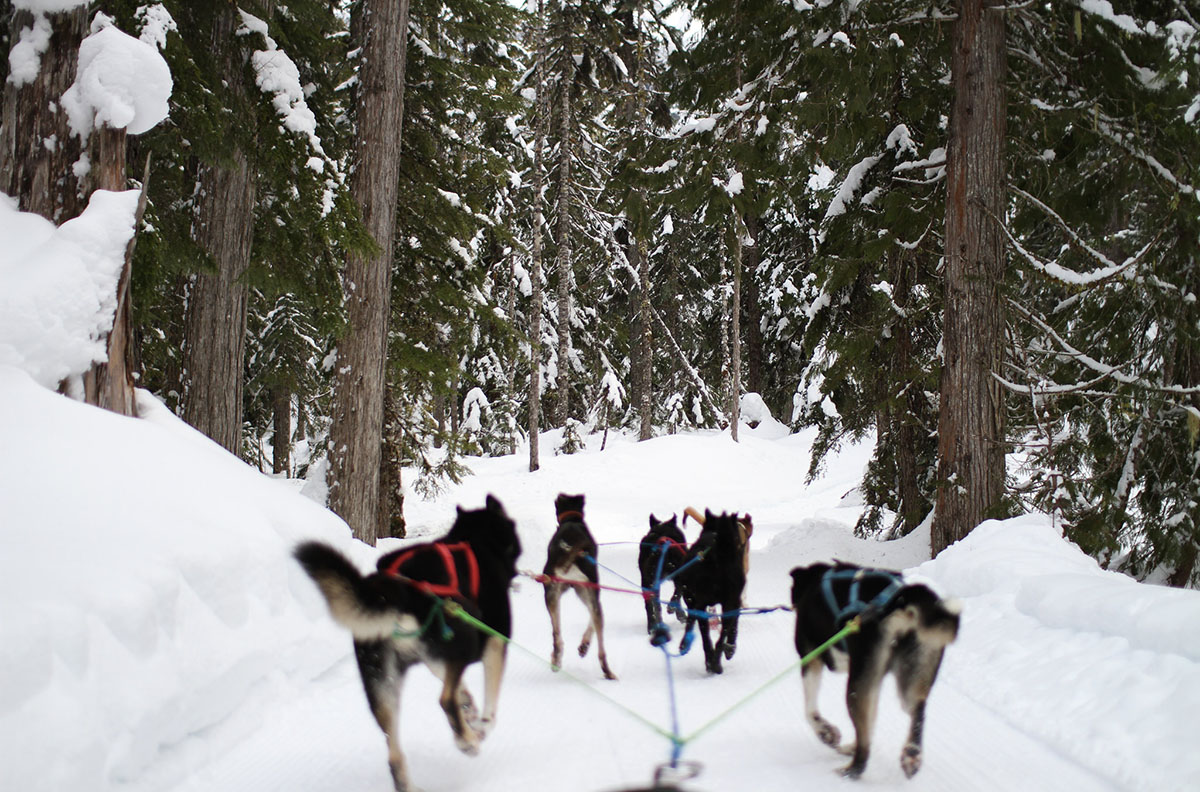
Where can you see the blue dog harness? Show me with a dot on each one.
(855, 605)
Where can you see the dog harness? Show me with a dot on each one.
(855, 605)
(451, 587)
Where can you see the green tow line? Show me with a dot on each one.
(852, 626)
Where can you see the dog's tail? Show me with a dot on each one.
(355, 602)
(934, 619)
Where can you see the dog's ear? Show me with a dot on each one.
(494, 505)
(653, 520)
(459, 509)
(708, 515)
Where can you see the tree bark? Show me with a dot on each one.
(971, 415)
(735, 333)
(391, 494)
(380, 29)
(752, 337)
(37, 149)
(215, 326)
(281, 442)
(562, 382)
(535, 309)
(110, 384)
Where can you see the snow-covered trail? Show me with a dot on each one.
(553, 734)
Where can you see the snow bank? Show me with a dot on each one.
(58, 286)
(146, 593)
(1104, 669)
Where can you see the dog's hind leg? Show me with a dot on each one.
(591, 598)
(916, 667)
(712, 658)
(383, 679)
(827, 733)
(495, 654)
(464, 736)
(862, 700)
(553, 595)
(727, 643)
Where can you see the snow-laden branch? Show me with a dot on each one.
(1089, 362)
(1108, 269)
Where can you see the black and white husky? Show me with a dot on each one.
(571, 561)
(905, 629)
(398, 617)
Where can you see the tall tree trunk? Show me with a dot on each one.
(752, 337)
(391, 491)
(215, 334)
(380, 30)
(281, 442)
(645, 343)
(912, 505)
(735, 332)
(971, 414)
(37, 149)
(535, 309)
(563, 263)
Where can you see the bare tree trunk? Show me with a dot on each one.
(37, 149)
(912, 505)
(215, 345)
(752, 337)
(971, 415)
(563, 263)
(380, 29)
(535, 309)
(281, 442)
(645, 344)
(735, 332)
(215, 334)
(391, 491)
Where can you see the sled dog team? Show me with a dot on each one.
(446, 604)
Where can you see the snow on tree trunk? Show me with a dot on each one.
(971, 415)
(380, 28)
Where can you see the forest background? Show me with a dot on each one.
(382, 235)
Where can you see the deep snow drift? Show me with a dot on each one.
(155, 634)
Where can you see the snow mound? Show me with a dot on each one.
(147, 592)
(1053, 581)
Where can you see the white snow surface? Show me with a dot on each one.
(156, 636)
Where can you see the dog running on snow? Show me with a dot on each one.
(904, 630)
(662, 551)
(571, 558)
(713, 573)
(392, 615)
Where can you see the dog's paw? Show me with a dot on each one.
(910, 760)
(468, 744)
(853, 770)
(729, 650)
(828, 733)
(481, 726)
(583, 648)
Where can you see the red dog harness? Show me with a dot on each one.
(451, 587)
